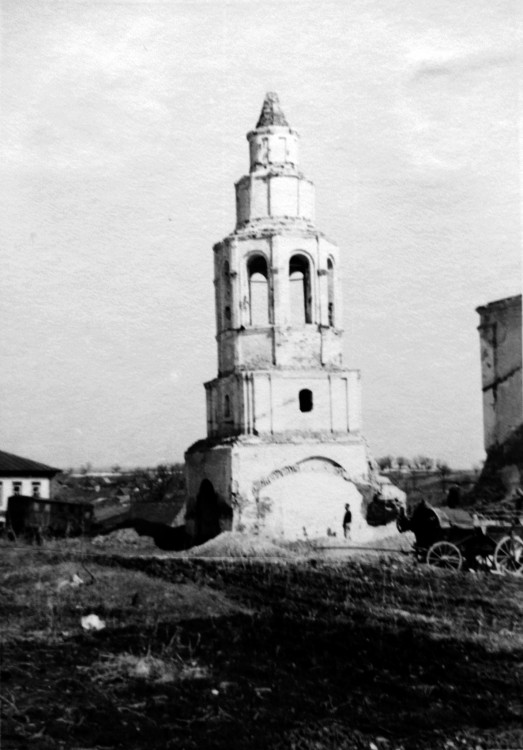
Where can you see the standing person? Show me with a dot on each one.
(347, 520)
(454, 496)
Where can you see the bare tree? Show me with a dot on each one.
(423, 462)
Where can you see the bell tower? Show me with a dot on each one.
(282, 405)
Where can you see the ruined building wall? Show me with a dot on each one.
(501, 360)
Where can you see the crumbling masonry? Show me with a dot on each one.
(501, 367)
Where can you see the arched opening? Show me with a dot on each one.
(300, 294)
(306, 401)
(289, 499)
(207, 513)
(330, 290)
(258, 276)
(226, 287)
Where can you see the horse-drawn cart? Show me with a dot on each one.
(454, 538)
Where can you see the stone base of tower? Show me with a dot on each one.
(292, 490)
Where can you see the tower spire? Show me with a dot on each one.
(273, 144)
(271, 113)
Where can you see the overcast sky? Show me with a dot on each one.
(122, 133)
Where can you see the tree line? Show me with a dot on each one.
(425, 463)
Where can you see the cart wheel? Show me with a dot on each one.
(445, 555)
(508, 556)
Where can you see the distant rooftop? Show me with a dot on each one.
(272, 113)
(16, 465)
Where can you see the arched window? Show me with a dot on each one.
(306, 402)
(258, 276)
(226, 287)
(300, 290)
(330, 290)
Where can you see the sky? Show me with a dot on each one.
(122, 132)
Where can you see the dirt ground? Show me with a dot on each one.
(304, 654)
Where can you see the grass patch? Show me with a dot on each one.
(251, 654)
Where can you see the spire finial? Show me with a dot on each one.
(271, 113)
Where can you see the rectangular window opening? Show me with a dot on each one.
(306, 401)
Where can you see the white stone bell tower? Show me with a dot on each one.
(283, 453)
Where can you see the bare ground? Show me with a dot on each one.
(307, 654)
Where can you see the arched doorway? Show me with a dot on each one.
(207, 513)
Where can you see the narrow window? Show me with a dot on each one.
(258, 276)
(227, 407)
(264, 151)
(330, 292)
(278, 152)
(305, 400)
(300, 290)
(226, 294)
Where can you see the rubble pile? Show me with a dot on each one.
(234, 544)
(126, 537)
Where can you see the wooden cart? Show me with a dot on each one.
(454, 538)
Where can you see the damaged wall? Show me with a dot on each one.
(266, 402)
(501, 361)
(293, 490)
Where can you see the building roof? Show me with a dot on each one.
(16, 465)
(52, 501)
(271, 113)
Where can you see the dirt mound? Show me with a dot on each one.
(392, 543)
(126, 537)
(234, 544)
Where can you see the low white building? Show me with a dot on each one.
(24, 477)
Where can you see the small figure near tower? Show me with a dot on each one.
(283, 452)
(347, 520)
